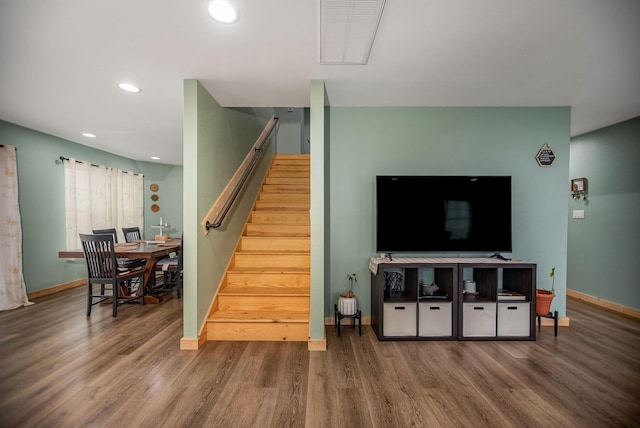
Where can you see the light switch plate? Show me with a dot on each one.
(578, 213)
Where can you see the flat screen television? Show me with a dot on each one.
(420, 213)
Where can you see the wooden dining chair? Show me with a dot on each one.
(103, 270)
(111, 231)
(122, 262)
(131, 234)
(171, 269)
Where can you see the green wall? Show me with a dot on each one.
(604, 247)
(368, 141)
(216, 141)
(319, 210)
(41, 187)
(169, 180)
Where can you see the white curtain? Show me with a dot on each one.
(13, 291)
(97, 197)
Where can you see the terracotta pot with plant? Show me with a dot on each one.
(544, 298)
(347, 304)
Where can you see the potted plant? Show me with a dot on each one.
(347, 301)
(544, 298)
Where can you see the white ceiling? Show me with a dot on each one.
(61, 61)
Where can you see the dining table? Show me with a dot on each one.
(151, 251)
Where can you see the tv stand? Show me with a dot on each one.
(503, 307)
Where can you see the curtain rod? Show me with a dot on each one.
(62, 158)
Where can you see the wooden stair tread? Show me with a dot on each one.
(284, 233)
(299, 196)
(274, 244)
(277, 228)
(275, 238)
(275, 211)
(271, 179)
(291, 157)
(273, 253)
(283, 206)
(236, 290)
(284, 188)
(288, 174)
(291, 248)
(230, 315)
(269, 269)
(256, 230)
(304, 160)
(267, 233)
(275, 223)
(280, 218)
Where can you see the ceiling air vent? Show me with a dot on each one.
(347, 30)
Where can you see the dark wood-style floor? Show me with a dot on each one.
(59, 368)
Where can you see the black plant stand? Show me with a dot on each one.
(554, 317)
(338, 318)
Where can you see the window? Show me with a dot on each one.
(98, 197)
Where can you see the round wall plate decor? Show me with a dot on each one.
(154, 197)
(155, 208)
(154, 187)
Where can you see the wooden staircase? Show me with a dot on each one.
(265, 291)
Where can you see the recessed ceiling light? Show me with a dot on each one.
(155, 158)
(129, 87)
(222, 11)
(89, 135)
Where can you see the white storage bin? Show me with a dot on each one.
(479, 319)
(399, 319)
(434, 319)
(514, 319)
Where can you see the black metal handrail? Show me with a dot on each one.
(245, 170)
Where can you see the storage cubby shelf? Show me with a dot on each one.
(502, 309)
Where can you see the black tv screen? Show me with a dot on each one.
(443, 213)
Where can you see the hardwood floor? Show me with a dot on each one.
(59, 368)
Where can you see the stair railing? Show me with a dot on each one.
(223, 204)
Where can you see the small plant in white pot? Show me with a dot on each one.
(347, 301)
